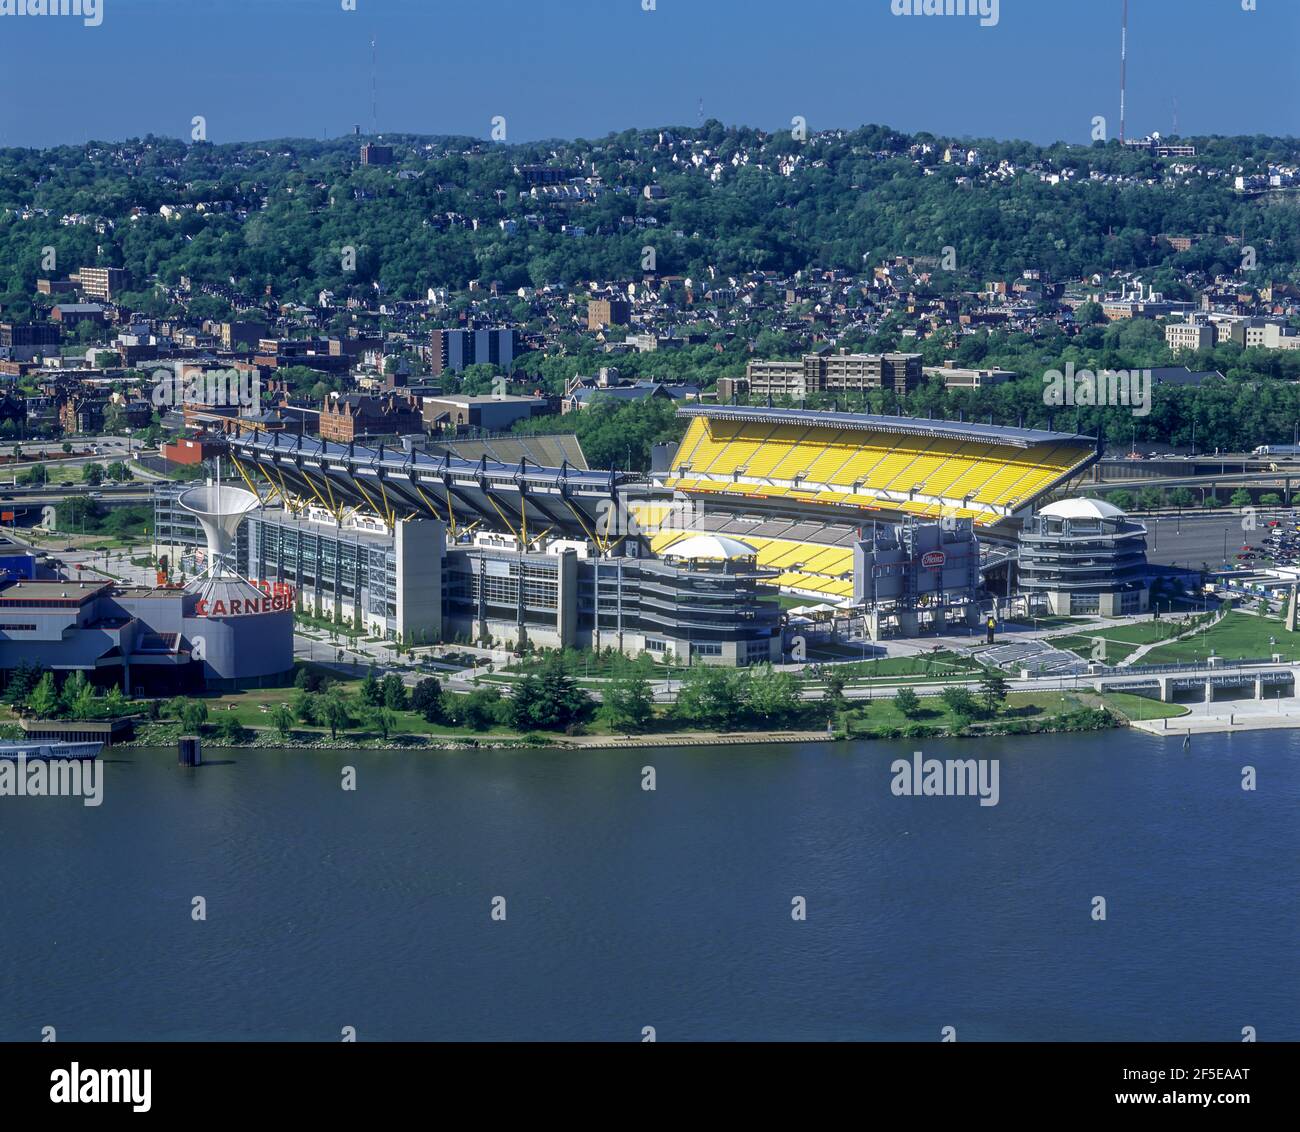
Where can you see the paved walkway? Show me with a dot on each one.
(1227, 716)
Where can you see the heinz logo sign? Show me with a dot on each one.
(934, 558)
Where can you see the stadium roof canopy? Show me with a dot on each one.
(710, 546)
(523, 498)
(870, 422)
(1082, 508)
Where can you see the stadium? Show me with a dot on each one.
(884, 522)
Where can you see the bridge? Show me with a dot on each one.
(1205, 475)
(1203, 684)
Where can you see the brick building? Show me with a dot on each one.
(356, 416)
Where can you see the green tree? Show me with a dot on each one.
(628, 700)
(993, 690)
(372, 691)
(114, 702)
(382, 720)
(478, 710)
(282, 720)
(92, 474)
(907, 702)
(1181, 497)
(78, 696)
(426, 698)
(960, 702)
(394, 693)
(549, 699)
(21, 682)
(307, 707)
(835, 682)
(337, 711)
(1240, 498)
(229, 730)
(43, 700)
(710, 696)
(772, 696)
(1150, 499)
(194, 715)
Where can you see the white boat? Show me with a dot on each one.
(50, 750)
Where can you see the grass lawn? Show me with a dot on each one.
(1084, 646)
(934, 665)
(789, 601)
(880, 715)
(253, 707)
(1141, 707)
(1048, 621)
(1238, 636)
(1121, 641)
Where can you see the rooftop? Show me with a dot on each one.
(57, 589)
(870, 422)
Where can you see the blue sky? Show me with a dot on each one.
(566, 68)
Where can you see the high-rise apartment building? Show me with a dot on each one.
(455, 349)
(823, 373)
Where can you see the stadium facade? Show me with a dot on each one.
(873, 516)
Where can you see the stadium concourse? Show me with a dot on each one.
(799, 485)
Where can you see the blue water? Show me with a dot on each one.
(669, 909)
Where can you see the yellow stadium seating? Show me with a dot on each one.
(920, 475)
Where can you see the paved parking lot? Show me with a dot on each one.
(1194, 541)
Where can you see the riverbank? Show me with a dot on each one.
(876, 723)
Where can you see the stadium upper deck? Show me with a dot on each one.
(524, 499)
(881, 467)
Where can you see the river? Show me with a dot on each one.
(674, 908)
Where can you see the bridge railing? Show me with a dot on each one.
(1194, 666)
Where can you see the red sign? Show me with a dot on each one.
(277, 599)
(241, 607)
(934, 558)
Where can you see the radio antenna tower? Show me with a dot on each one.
(1123, 70)
(374, 95)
